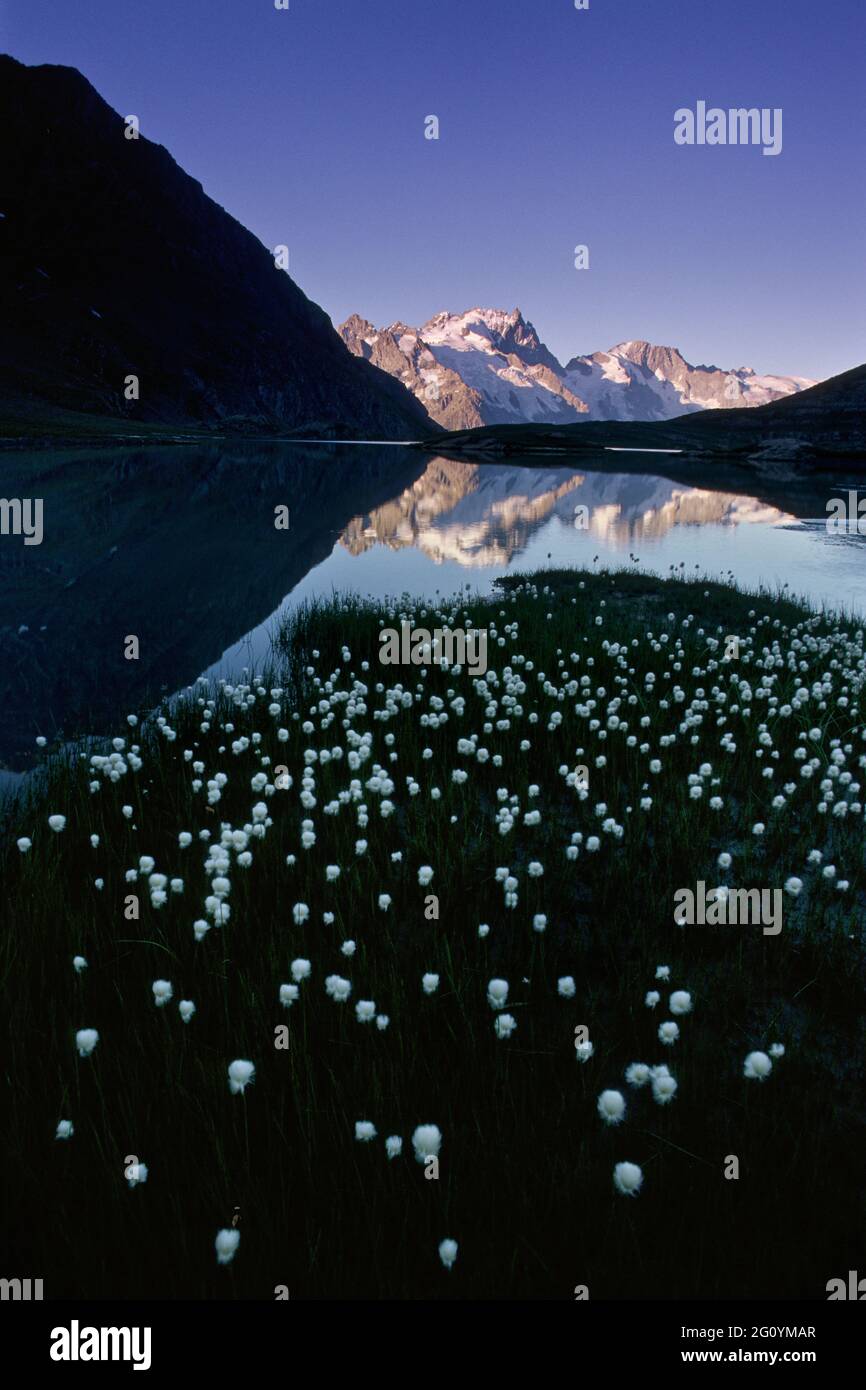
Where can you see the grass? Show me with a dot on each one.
(525, 1178)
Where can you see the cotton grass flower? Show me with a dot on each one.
(200, 929)
(365, 1010)
(226, 1245)
(611, 1107)
(86, 1040)
(430, 983)
(65, 1130)
(504, 1025)
(448, 1252)
(627, 1179)
(382, 1021)
(565, 987)
(668, 1033)
(337, 988)
(664, 1087)
(289, 995)
(680, 1002)
(57, 823)
(638, 1074)
(24, 844)
(583, 1051)
(757, 1066)
(663, 972)
(162, 992)
(136, 1173)
(794, 886)
(241, 1075)
(425, 875)
(186, 1009)
(300, 969)
(393, 1146)
(365, 1130)
(79, 963)
(497, 993)
(426, 1141)
(652, 998)
(777, 1050)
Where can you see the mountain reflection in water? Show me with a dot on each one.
(177, 545)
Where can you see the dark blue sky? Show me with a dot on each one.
(556, 128)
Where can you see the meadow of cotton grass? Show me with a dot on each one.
(293, 828)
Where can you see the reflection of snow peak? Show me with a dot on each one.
(481, 515)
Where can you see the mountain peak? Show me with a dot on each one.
(489, 366)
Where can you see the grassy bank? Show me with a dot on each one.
(426, 768)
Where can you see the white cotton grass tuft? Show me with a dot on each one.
(200, 928)
(162, 992)
(338, 988)
(664, 1087)
(429, 983)
(583, 1050)
(680, 1002)
(24, 844)
(611, 1107)
(504, 1024)
(565, 987)
(448, 1252)
(57, 823)
(652, 998)
(393, 1146)
(757, 1066)
(668, 1032)
(65, 1130)
(497, 994)
(300, 970)
(240, 1076)
(365, 1010)
(135, 1173)
(777, 1050)
(186, 1009)
(638, 1074)
(627, 1179)
(288, 995)
(365, 1130)
(226, 1245)
(425, 875)
(426, 1141)
(86, 1040)
(79, 963)
(663, 972)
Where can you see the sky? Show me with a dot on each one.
(555, 129)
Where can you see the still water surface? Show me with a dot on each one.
(178, 546)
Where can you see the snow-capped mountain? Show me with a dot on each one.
(487, 367)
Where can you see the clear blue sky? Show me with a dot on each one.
(556, 128)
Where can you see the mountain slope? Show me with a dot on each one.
(114, 262)
(816, 428)
(489, 367)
